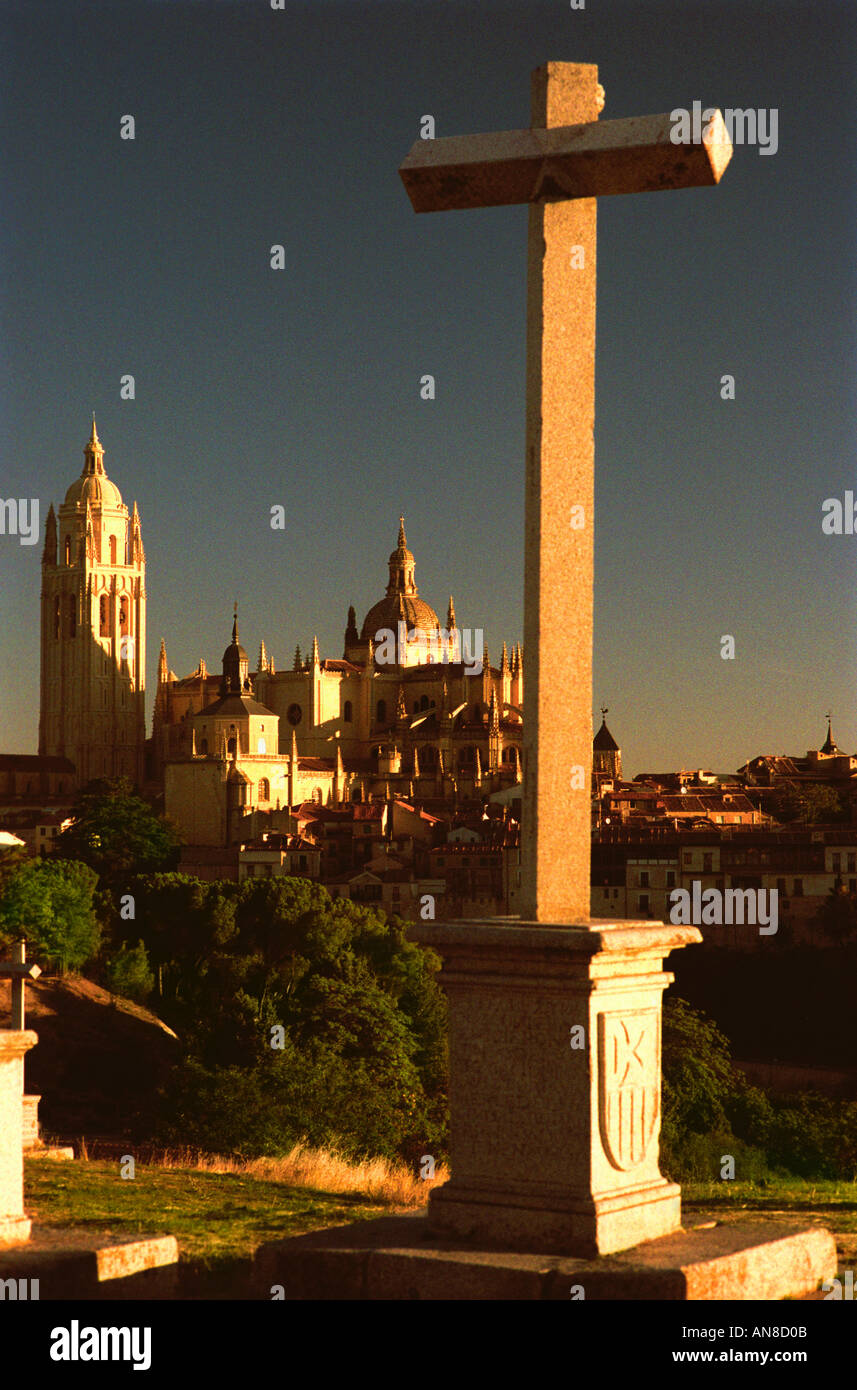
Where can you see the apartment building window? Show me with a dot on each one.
(644, 878)
(644, 902)
(852, 863)
(798, 888)
(781, 887)
(837, 863)
(708, 863)
(670, 878)
(852, 885)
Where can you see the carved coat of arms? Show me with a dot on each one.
(629, 1066)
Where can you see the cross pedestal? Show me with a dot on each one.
(555, 1080)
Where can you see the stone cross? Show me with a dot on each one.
(19, 973)
(560, 167)
(555, 1019)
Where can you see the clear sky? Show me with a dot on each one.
(301, 387)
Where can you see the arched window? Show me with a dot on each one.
(382, 711)
(113, 550)
(123, 615)
(231, 746)
(467, 757)
(428, 758)
(346, 712)
(102, 616)
(203, 745)
(261, 746)
(67, 550)
(264, 789)
(294, 714)
(56, 617)
(424, 702)
(72, 616)
(318, 796)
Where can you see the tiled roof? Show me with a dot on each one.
(347, 666)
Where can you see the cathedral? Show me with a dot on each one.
(419, 717)
(237, 750)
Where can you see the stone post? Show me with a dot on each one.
(14, 1225)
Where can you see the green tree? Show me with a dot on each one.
(128, 973)
(810, 803)
(361, 1058)
(697, 1071)
(50, 903)
(118, 835)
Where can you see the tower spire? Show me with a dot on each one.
(93, 454)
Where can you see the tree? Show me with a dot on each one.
(697, 1071)
(360, 1057)
(128, 973)
(837, 914)
(50, 903)
(11, 859)
(810, 803)
(118, 835)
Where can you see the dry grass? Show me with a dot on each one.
(318, 1169)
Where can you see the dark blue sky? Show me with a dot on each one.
(301, 387)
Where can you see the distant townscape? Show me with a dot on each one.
(393, 780)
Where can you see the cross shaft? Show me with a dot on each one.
(559, 167)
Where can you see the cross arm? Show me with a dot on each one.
(634, 155)
(15, 970)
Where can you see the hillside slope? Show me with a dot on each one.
(99, 1059)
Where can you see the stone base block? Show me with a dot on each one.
(14, 1230)
(30, 1123)
(588, 1227)
(79, 1264)
(398, 1258)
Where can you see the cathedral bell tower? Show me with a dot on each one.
(93, 628)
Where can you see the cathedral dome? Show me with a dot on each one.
(399, 607)
(95, 488)
(402, 602)
(93, 485)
